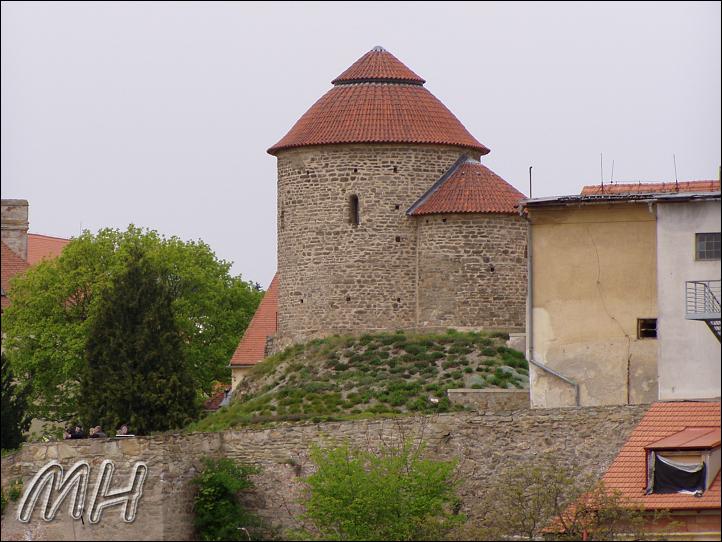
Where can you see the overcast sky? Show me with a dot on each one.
(160, 114)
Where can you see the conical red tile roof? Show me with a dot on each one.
(378, 100)
(378, 65)
(468, 187)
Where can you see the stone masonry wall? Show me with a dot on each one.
(472, 271)
(14, 214)
(484, 444)
(489, 399)
(337, 277)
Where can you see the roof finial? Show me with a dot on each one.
(378, 49)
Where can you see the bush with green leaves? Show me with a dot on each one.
(394, 494)
(15, 490)
(219, 514)
(54, 303)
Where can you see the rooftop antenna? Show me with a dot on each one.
(611, 178)
(529, 182)
(676, 182)
(601, 169)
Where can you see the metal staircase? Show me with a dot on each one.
(703, 303)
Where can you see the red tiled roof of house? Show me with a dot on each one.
(252, 347)
(651, 188)
(628, 472)
(468, 187)
(219, 393)
(387, 103)
(44, 246)
(378, 65)
(11, 265)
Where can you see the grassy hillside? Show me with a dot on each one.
(382, 374)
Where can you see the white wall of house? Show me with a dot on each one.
(689, 353)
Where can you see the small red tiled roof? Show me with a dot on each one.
(220, 390)
(44, 246)
(378, 100)
(651, 188)
(468, 187)
(11, 264)
(378, 65)
(252, 347)
(628, 473)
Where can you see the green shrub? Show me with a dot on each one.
(488, 351)
(15, 490)
(3, 502)
(395, 494)
(413, 348)
(218, 512)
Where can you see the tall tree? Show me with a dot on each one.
(54, 305)
(14, 405)
(136, 372)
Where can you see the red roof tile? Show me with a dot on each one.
(220, 391)
(44, 246)
(652, 188)
(378, 64)
(11, 264)
(252, 347)
(690, 438)
(468, 187)
(628, 472)
(376, 109)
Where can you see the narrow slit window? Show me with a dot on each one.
(354, 210)
(646, 328)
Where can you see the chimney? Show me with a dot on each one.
(15, 226)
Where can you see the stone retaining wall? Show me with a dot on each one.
(490, 400)
(484, 444)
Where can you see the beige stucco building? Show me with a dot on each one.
(594, 296)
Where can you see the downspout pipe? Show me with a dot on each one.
(530, 314)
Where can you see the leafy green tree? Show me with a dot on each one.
(54, 304)
(14, 406)
(135, 369)
(394, 494)
(218, 513)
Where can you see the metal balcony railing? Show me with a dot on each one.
(703, 303)
(703, 299)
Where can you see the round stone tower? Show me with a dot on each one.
(348, 172)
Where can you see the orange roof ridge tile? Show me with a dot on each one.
(252, 347)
